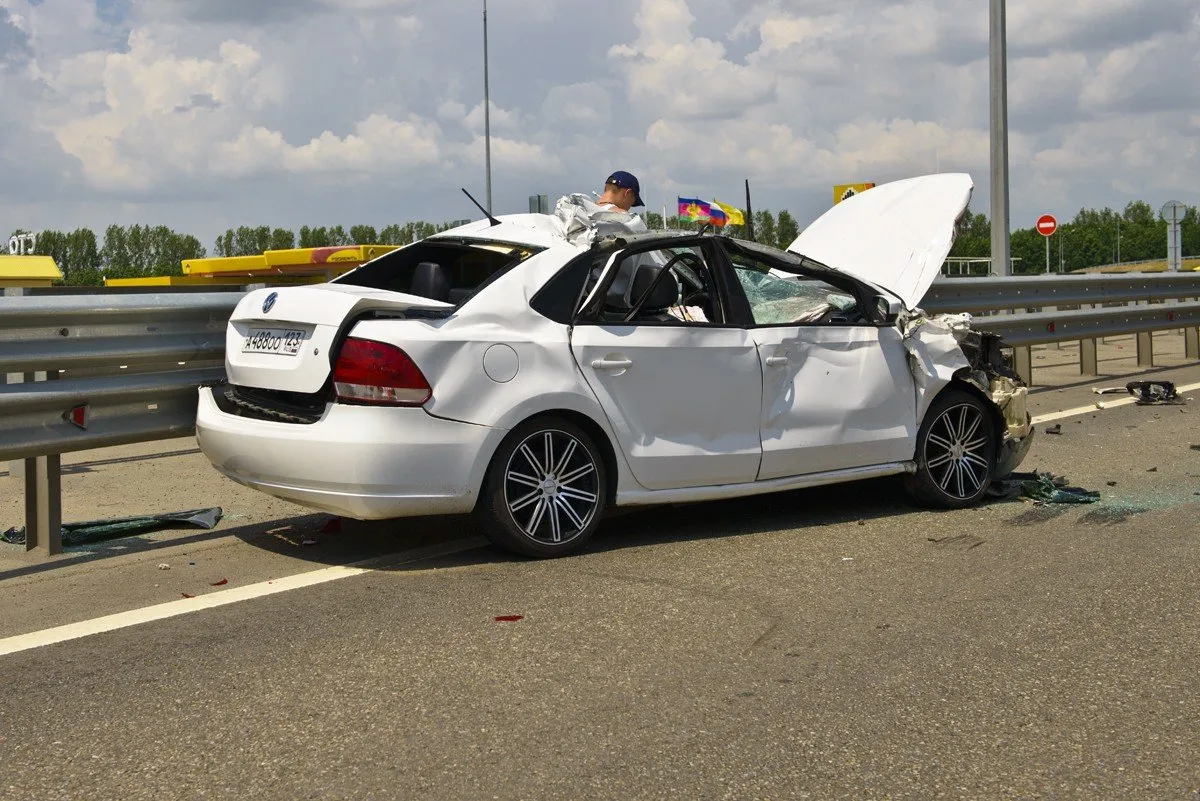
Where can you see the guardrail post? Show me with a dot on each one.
(1191, 343)
(1145, 349)
(1089, 364)
(1023, 363)
(43, 504)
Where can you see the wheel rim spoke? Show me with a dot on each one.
(575, 519)
(521, 478)
(941, 442)
(945, 482)
(521, 503)
(970, 432)
(976, 460)
(566, 459)
(533, 460)
(939, 461)
(968, 472)
(555, 523)
(536, 519)
(577, 495)
(577, 474)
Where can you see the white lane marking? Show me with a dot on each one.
(1108, 404)
(212, 600)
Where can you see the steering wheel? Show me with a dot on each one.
(694, 262)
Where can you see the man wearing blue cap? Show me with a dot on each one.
(622, 191)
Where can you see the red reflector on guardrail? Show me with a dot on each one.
(78, 416)
(1050, 327)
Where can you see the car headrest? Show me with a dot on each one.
(430, 281)
(666, 292)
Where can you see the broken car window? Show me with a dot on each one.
(781, 298)
(448, 270)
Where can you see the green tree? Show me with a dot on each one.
(787, 230)
(364, 235)
(114, 255)
(314, 237)
(282, 239)
(338, 237)
(974, 237)
(765, 230)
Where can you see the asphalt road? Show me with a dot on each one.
(826, 643)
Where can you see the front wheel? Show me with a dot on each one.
(545, 490)
(956, 453)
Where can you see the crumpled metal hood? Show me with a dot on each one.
(895, 236)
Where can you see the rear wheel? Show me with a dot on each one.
(545, 489)
(956, 453)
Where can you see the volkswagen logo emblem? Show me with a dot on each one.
(269, 303)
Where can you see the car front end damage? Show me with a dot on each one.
(945, 348)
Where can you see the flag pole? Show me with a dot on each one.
(749, 215)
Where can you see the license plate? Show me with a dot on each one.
(283, 341)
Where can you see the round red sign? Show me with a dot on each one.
(1047, 225)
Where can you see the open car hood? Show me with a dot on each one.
(895, 236)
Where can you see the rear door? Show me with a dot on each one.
(681, 387)
(837, 390)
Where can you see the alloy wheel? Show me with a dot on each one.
(551, 487)
(956, 451)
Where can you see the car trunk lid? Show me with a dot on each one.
(895, 236)
(282, 339)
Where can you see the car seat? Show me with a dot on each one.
(429, 281)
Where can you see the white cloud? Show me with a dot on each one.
(218, 112)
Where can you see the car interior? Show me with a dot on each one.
(445, 271)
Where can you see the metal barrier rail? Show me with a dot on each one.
(88, 371)
(98, 369)
(992, 294)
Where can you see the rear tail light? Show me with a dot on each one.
(378, 373)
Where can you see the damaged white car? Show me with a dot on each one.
(537, 370)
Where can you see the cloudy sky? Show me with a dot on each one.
(203, 114)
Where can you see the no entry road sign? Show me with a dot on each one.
(1047, 225)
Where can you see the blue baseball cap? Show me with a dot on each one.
(627, 180)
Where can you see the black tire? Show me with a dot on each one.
(527, 507)
(956, 453)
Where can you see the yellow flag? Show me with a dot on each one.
(735, 215)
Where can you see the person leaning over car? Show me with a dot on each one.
(621, 191)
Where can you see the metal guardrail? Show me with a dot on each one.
(88, 371)
(98, 369)
(977, 295)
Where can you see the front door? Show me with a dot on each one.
(837, 390)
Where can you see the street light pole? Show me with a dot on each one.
(487, 113)
(999, 124)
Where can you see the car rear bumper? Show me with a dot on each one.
(368, 463)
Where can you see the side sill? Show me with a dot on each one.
(641, 497)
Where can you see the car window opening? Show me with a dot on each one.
(446, 271)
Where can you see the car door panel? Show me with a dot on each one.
(684, 401)
(834, 397)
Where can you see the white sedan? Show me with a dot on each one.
(537, 370)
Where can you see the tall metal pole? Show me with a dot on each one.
(487, 113)
(999, 118)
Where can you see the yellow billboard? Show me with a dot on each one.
(845, 191)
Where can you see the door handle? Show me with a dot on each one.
(777, 361)
(612, 364)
